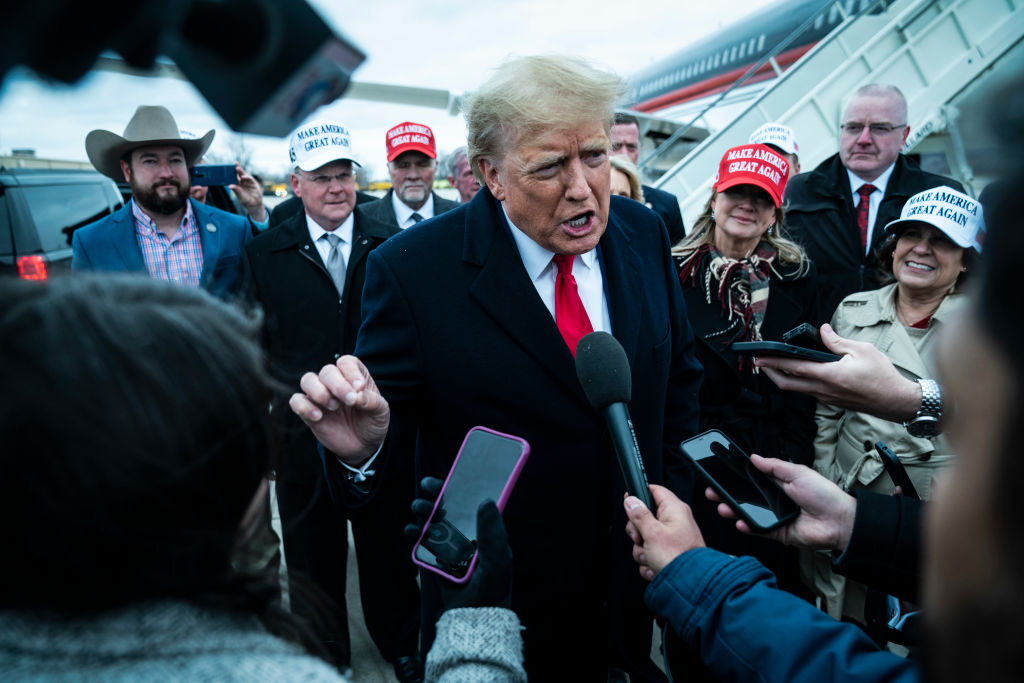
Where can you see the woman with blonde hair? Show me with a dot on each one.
(743, 281)
(626, 179)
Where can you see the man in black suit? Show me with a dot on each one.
(838, 210)
(626, 142)
(412, 164)
(308, 274)
(473, 320)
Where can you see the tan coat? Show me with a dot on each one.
(844, 445)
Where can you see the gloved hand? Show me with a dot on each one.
(491, 582)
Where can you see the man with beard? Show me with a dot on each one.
(412, 164)
(160, 231)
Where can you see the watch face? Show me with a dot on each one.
(924, 427)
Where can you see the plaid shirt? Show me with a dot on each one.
(177, 259)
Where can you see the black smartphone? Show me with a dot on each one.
(213, 174)
(753, 495)
(805, 335)
(486, 468)
(771, 348)
(896, 471)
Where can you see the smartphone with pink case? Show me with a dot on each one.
(485, 468)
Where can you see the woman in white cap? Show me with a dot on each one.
(929, 253)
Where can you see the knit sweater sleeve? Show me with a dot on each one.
(477, 644)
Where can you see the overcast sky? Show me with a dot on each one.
(441, 44)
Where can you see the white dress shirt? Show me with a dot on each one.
(874, 199)
(404, 214)
(586, 270)
(344, 231)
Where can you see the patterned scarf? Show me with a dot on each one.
(741, 287)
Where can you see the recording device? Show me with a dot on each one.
(754, 496)
(486, 468)
(771, 348)
(264, 65)
(213, 174)
(897, 472)
(277, 64)
(603, 370)
(805, 335)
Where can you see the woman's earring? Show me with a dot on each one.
(771, 229)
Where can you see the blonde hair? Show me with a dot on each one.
(527, 95)
(628, 169)
(703, 232)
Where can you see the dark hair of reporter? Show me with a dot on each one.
(887, 250)
(134, 434)
(984, 642)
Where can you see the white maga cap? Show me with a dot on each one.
(320, 142)
(775, 134)
(958, 216)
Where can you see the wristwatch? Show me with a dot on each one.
(927, 424)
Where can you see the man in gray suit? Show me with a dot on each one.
(412, 164)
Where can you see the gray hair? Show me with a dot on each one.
(527, 95)
(877, 90)
(451, 163)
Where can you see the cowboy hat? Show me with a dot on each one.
(149, 126)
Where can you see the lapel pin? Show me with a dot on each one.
(210, 227)
(365, 240)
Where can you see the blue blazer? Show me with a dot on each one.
(455, 336)
(110, 244)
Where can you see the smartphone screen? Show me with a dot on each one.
(752, 494)
(485, 468)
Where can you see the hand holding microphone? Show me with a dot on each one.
(603, 371)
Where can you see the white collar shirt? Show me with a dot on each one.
(874, 199)
(344, 231)
(586, 270)
(404, 214)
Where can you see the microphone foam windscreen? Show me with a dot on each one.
(603, 370)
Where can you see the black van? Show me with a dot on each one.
(40, 209)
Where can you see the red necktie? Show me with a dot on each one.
(570, 316)
(863, 209)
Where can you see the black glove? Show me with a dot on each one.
(491, 582)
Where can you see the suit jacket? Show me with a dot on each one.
(455, 336)
(383, 211)
(306, 325)
(666, 205)
(820, 215)
(111, 244)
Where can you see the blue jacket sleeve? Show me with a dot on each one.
(745, 629)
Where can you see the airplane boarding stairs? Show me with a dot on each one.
(931, 49)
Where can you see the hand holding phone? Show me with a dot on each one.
(772, 348)
(755, 497)
(486, 468)
(897, 472)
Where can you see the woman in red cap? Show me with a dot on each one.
(744, 281)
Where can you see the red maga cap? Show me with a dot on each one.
(758, 165)
(408, 136)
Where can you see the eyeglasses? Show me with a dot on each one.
(325, 180)
(877, 130)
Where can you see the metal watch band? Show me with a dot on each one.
(931, 399)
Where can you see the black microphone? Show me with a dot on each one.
(604, 374)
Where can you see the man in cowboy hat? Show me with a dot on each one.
(160, 231)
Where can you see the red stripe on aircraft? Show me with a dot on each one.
(721, 83)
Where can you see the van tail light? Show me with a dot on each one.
(32, 267)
